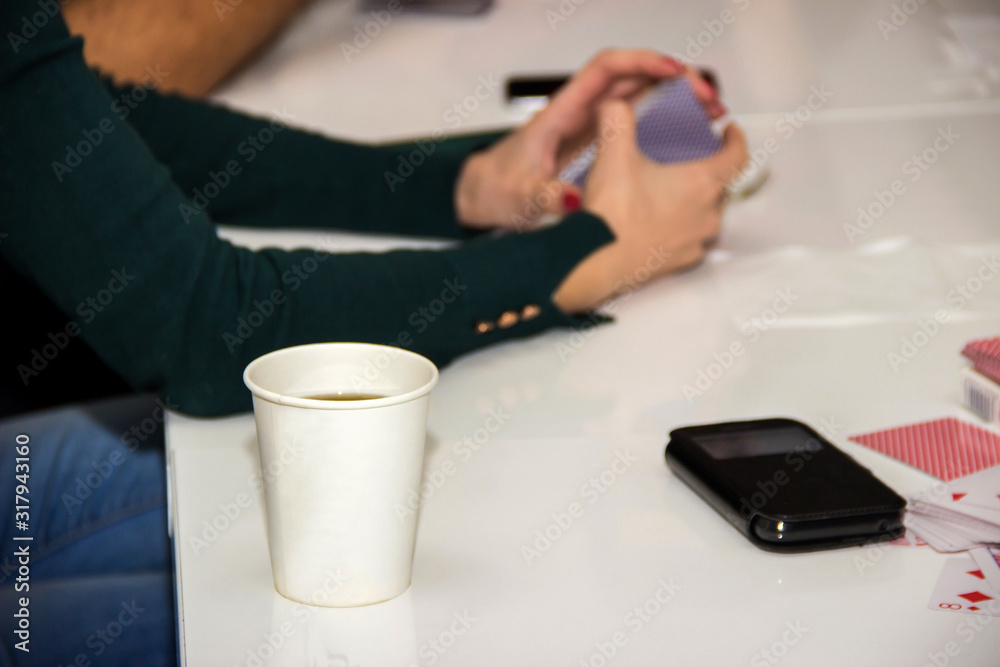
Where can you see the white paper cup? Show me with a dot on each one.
(336, 472)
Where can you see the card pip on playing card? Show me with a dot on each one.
(962, 587)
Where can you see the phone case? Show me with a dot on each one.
(785, 487)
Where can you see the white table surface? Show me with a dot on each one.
(574, 400)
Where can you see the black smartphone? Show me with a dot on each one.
(784, 486)
(532, 87)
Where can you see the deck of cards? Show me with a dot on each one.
(671, 125)
(981, 383)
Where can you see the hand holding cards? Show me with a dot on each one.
(662, 216)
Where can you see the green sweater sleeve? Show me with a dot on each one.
(99, 226)
(257, 172)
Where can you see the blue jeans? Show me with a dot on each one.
(97, 574)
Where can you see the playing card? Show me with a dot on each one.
(963, 587)
(671, 126)
(948, 518)
(980, 489)
(969, 496)
(947, 534)
(957, 509)
(946, 448)
(984, 524)
(985, 356)
(909, 539)
(988, 560)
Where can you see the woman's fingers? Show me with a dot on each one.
(572, 106)
(688, 256)
(729, 162)
(706, 93)
(554, 197)
(616, 133)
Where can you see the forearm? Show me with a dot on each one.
(256, 172)
(199, 42)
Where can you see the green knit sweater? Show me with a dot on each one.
(115, 277)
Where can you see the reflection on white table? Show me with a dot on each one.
(540, 549)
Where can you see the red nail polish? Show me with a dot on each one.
(571, 201)
(673, 61)
(708, 76)
(706, 89)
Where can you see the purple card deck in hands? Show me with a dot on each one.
(671, 126)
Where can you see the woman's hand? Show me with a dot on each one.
(662, 215)
(515, 181)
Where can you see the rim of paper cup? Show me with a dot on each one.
(318, 404)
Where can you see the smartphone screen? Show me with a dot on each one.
(779, 440)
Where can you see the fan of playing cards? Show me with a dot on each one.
(962, 512)
(958, 516)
